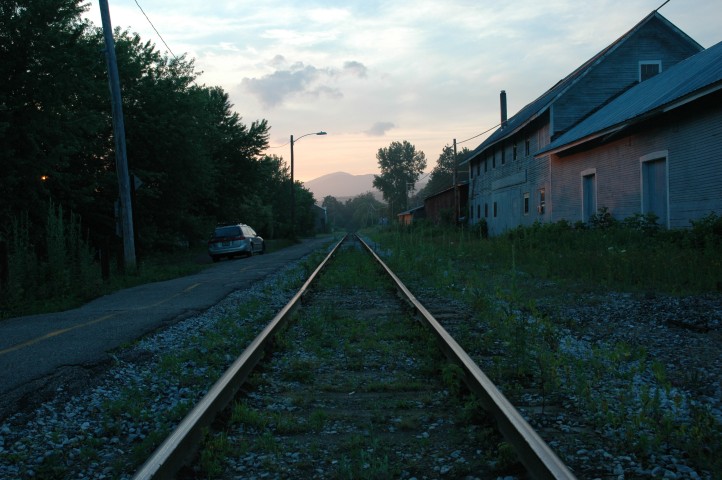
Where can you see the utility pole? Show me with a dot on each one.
(456, 189)
(121, 161)
(293, 198)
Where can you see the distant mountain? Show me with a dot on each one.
(342, 186)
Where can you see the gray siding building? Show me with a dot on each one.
(655, 149)
(509, 183)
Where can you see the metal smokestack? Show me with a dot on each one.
(502, 101)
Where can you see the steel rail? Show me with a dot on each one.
(533, 451)
(177, 449)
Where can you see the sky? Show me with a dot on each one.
(371, 72)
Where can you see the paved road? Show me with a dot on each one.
(35, 349)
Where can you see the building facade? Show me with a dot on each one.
(656, 149)
(509, 183)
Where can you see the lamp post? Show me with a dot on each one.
(293, 186)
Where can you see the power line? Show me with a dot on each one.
(156, 30)
(480, 134)
(665, 3)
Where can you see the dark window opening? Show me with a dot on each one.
(649, 69)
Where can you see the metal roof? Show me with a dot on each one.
(693, 77)
(536, 108)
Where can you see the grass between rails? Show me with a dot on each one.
(358, 394)
(523, 348)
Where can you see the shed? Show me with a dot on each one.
(407, 217)
(448, 206)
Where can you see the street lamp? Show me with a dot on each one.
(293, 186)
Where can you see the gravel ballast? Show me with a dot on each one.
(69, 436)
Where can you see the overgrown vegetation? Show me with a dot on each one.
(190, 368)
(523, 348)
(199, 164)
(359, 393)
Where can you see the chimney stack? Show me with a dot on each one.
(502, 100)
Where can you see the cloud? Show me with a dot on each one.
(278, 61)
(379, 129)
(273, 88)
(357, 69)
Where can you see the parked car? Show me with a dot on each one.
(236, 239)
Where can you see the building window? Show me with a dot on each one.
(478, 168)
(496, 210)
(486, 210)
(486, 165)
(503, 154)
(527, 145)
(542, 201)
(493, 158)
(526, 203)
(478, 211)
(513, 151)
(649, 68)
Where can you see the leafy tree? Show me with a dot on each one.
(364, 211)
(193, 153)
(357, 212)
(442, 176)
(334, 211)
(305, 214)
(49, 123)
(400, 164)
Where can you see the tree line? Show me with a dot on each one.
(400, 166)
(198, 162)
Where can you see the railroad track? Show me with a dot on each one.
(353, 387)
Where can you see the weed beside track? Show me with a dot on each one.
(355, 388)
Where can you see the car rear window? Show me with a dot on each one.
(232, 231)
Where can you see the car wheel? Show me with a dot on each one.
(263, 248)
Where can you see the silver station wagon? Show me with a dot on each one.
(231, 240)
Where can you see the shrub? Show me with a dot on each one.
(646, 223)
(59, 266)
(707, 230)
(602, 219)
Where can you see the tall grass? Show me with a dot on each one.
(620, 256)
(524, 349)
(50, 268)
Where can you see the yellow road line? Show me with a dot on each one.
(55, 333)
